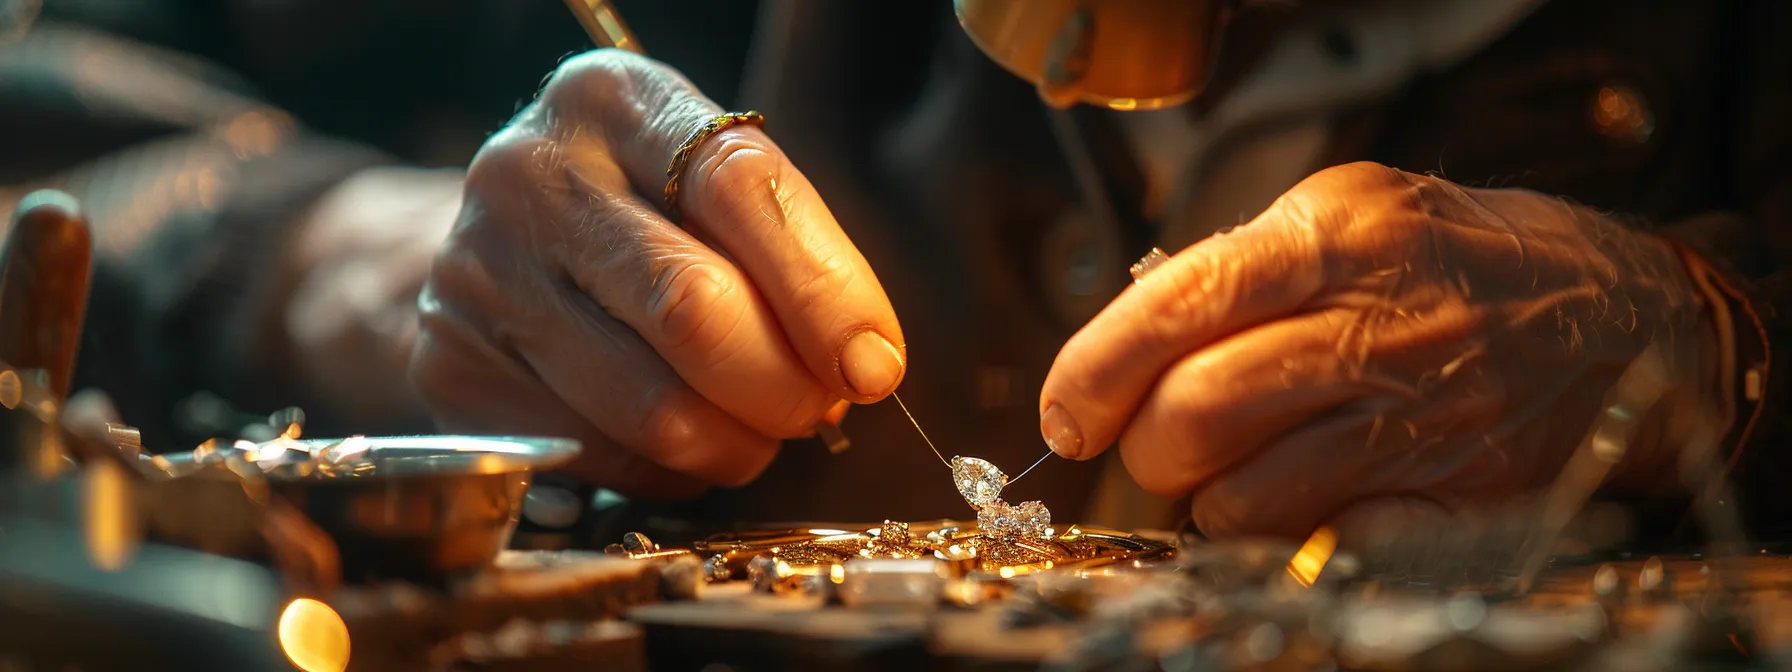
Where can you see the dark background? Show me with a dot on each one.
(427, 81)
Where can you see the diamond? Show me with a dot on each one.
(1002, 520)
(979, 482)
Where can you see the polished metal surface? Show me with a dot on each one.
(1120, 54)
(604, 24)
(409, 507)
(399, 457)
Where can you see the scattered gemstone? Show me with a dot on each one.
(978, 481)
(716, 569)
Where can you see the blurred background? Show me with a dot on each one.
(426, 81)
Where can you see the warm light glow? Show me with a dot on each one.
(314, 637)
(109, 516)
(1007, 572)
(837, 574)
(1313, 555)
(12, 390)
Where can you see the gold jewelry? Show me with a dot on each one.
(715, 124)
(981, 484)
(1007, 541)
(787, 556)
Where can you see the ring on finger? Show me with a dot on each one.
(703, 132)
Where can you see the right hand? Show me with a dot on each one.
(565, 303)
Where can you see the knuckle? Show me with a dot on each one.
(434, 369)
(1147, 472)
(1359, 175)
(829, 279)
(1148, 455)
(735, 165)
(591, 79)
(512, 161)
(688, 306)
(801, 414)
(670, 432)
(1219, 510)
(666, 427)
(1162, 320)
(458, 277)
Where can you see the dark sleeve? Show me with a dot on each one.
(192, 198)
(1752, 250)
(189, 235)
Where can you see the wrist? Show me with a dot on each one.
(1699, 407)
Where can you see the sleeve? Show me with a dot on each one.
(192, 189)
(189, 235)
(1750, 255)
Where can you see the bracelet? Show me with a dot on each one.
(1746, 349)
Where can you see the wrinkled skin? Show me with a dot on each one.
(1379, 342)
(565, 303)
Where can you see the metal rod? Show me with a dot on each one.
(604, 25)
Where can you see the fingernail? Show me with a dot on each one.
(838, 413)
(1060, 432)
(871, 365)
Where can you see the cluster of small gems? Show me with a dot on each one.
(981, 483)
(1026, 520)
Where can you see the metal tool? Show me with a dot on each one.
(604, 24)
(1642, 384)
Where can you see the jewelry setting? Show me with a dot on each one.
(981, 485)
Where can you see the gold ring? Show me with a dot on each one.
(714, 125)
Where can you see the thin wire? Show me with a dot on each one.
(942, 456)
(1029, 470)
(922, 432)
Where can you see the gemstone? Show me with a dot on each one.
(894, 533)
(1015, 521)
(978, 481)
(716, 569)
(635, 543)
(892, 583)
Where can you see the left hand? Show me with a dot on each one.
(1380, 339)
(359, 257)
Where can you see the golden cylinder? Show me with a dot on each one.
(1119, 54)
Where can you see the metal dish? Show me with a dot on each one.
(416, 508)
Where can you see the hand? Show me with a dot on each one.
(1377, 340)
(565, 303)
(360, 256)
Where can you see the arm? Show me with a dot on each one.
(199, 196)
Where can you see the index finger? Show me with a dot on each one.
(741, 194)
(1220, 286)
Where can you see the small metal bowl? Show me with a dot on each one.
(416, 508)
